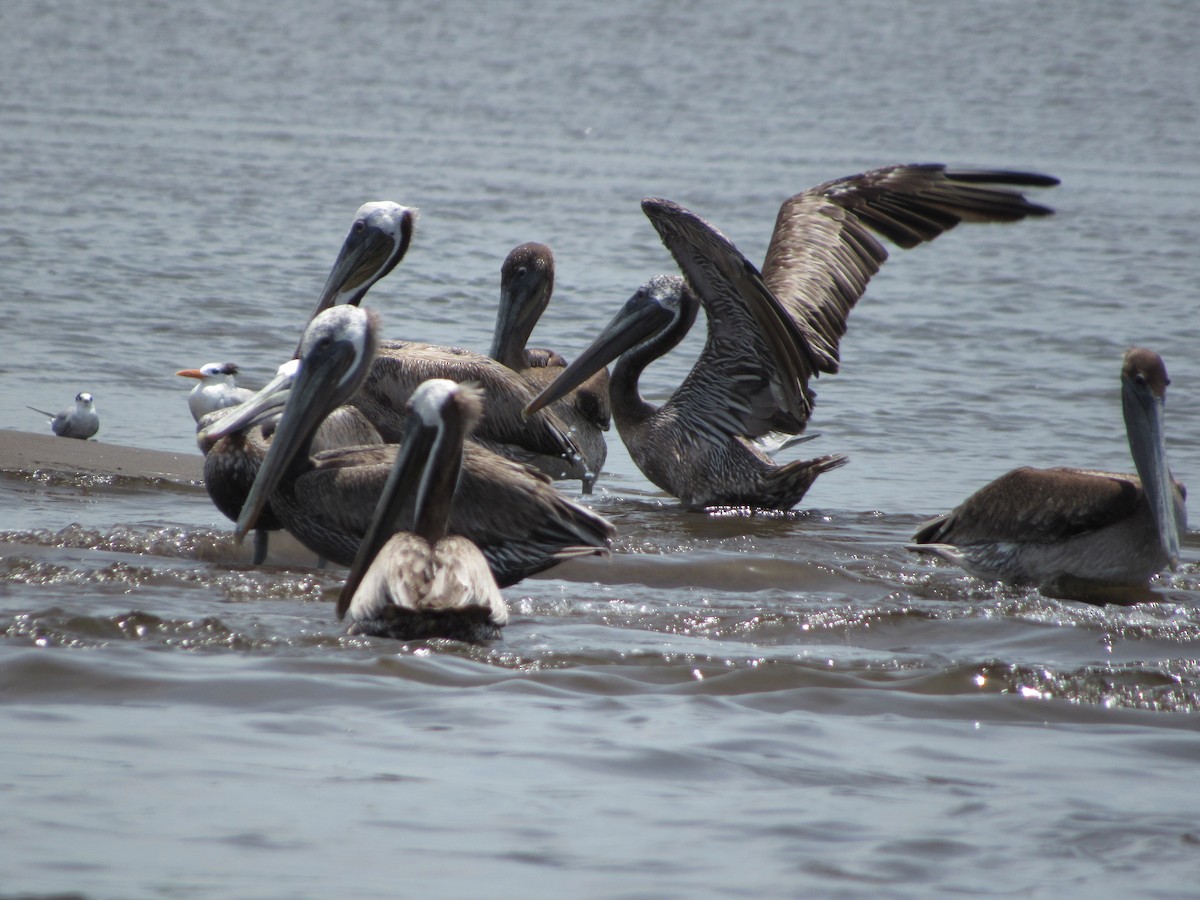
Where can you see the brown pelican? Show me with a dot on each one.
(376, 242)
(768, 332)
(81, 422)
(512, 513)
(216, 390)
(411, 578)
(235, 444)
(526, 284)
(1068, 528)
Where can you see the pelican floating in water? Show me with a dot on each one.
(411, 578)
(768, 332)
(514, 514)
(1066, 529)
(526, 285)
(376, 242)
(216, 390)
(80, 422)
(235, 441)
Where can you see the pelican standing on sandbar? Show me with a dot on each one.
(82, 421)
(526, 285)
(1066, 529)
(769, 332)
(377, 240)
(411, 578)
(514, 514)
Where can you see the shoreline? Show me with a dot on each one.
(25, 451)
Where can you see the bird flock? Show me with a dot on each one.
(429, 470)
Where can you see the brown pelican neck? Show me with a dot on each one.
(1143, 400)
(335, 357)
(526, 285)
(419, 491)
(443, 464)
(627, 371)
(651, 322)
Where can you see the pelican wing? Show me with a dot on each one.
(752, 375)
(462, 578)
(520, 521)
(822, 252)
(1030, 504)
(400, 575)
(401, 366)
(353, 475)
(511, 512)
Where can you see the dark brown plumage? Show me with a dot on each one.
(512, 513)
(1061, 526)
(526, 286)
(769, 333)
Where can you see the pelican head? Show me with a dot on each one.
(335, 355)
(526, 284)
(655, 318)
(1143, 398)
(419, 491)
(376, 242)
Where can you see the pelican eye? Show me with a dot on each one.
(321, 343)
(358, 227)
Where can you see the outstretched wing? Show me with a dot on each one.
(751, 377)
(822, 252)
(770, 332)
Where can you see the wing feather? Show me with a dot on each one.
(769, 332)
(752, 375)
(402, 366)
(1029, 504)
(822, 253)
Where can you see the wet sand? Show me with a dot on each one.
(24, 451)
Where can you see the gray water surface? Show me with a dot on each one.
(730, 706)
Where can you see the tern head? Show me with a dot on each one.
(210, 372)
